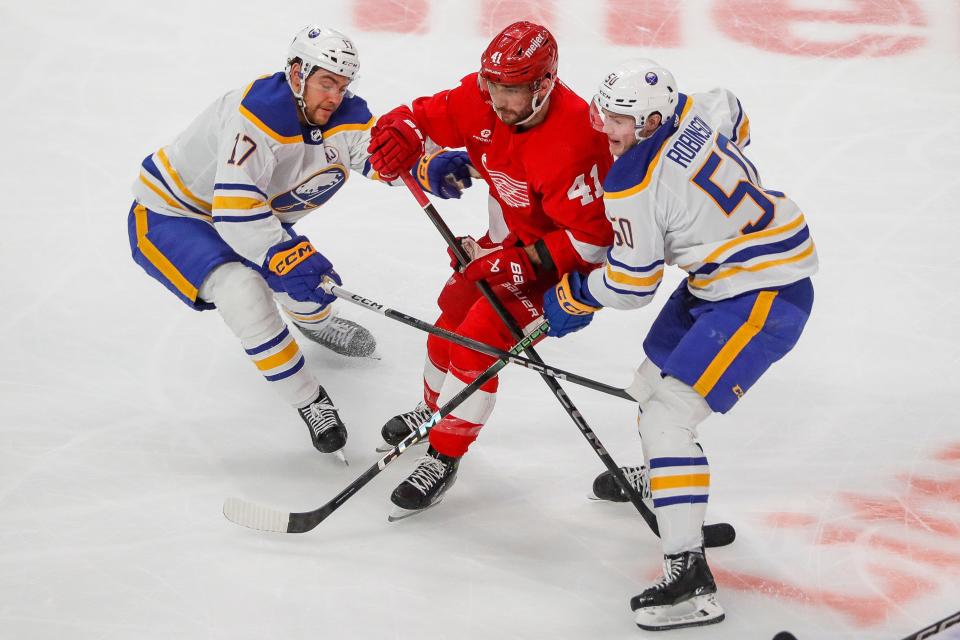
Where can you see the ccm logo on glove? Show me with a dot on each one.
(283, 261)
(568, 302)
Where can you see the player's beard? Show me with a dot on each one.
(319, 116)
(513, 117)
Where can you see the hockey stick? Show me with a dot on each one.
(935, 628)
(255, 516)
(476, 345)
(714, 535)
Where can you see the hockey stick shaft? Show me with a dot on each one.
(266, 519)
(713, 535)
(475, 345)
(935, 628)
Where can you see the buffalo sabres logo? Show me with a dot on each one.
(313, 33)
(651, 78)
(312, 192)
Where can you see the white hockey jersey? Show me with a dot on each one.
(246, 165)
(689, 196)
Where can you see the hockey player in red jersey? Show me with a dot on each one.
(528, 136)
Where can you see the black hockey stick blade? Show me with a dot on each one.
(718, 535)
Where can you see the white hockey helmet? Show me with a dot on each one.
(637, 88)
(319, 47)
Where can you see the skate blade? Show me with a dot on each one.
(399, 513)
(695, 612)
(383, 447)
(592, 497)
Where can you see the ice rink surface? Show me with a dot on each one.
(126, 419)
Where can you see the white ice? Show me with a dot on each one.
(126, 419)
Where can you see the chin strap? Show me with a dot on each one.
(298, 95)
(537, 107)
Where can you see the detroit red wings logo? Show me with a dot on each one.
(514, 192)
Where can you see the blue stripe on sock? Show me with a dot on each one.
(659, 463)
(666, 502)
(289, 372)
(270, 344)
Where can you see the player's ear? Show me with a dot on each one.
(296, 75)
(544, 87)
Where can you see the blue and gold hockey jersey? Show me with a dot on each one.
(689, 196)
(246, 165)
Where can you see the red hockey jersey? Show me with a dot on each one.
(545, 182)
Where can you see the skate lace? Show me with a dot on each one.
(672, 568)
(420, 414)
(428, 472)
(636, 476)
(320, 417)
(337, 332)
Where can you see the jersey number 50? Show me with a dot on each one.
(746, 188)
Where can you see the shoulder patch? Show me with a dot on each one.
(353, 114)
(629, 169)
(268, 104)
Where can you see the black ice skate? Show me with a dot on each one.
(684, 597)
(606, 488)
(342, 336)
(399, 427)
(435, 473)
(327, 431)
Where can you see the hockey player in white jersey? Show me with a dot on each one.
(214, 212)
(682, 192)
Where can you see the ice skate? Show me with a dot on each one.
(327, 431)
(425, 487)
(684, 597)
(400, 426)
(605, 487)
(342, 336)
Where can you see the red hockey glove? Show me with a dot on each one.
(463, 241)
(396, 143)
(505, 265)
